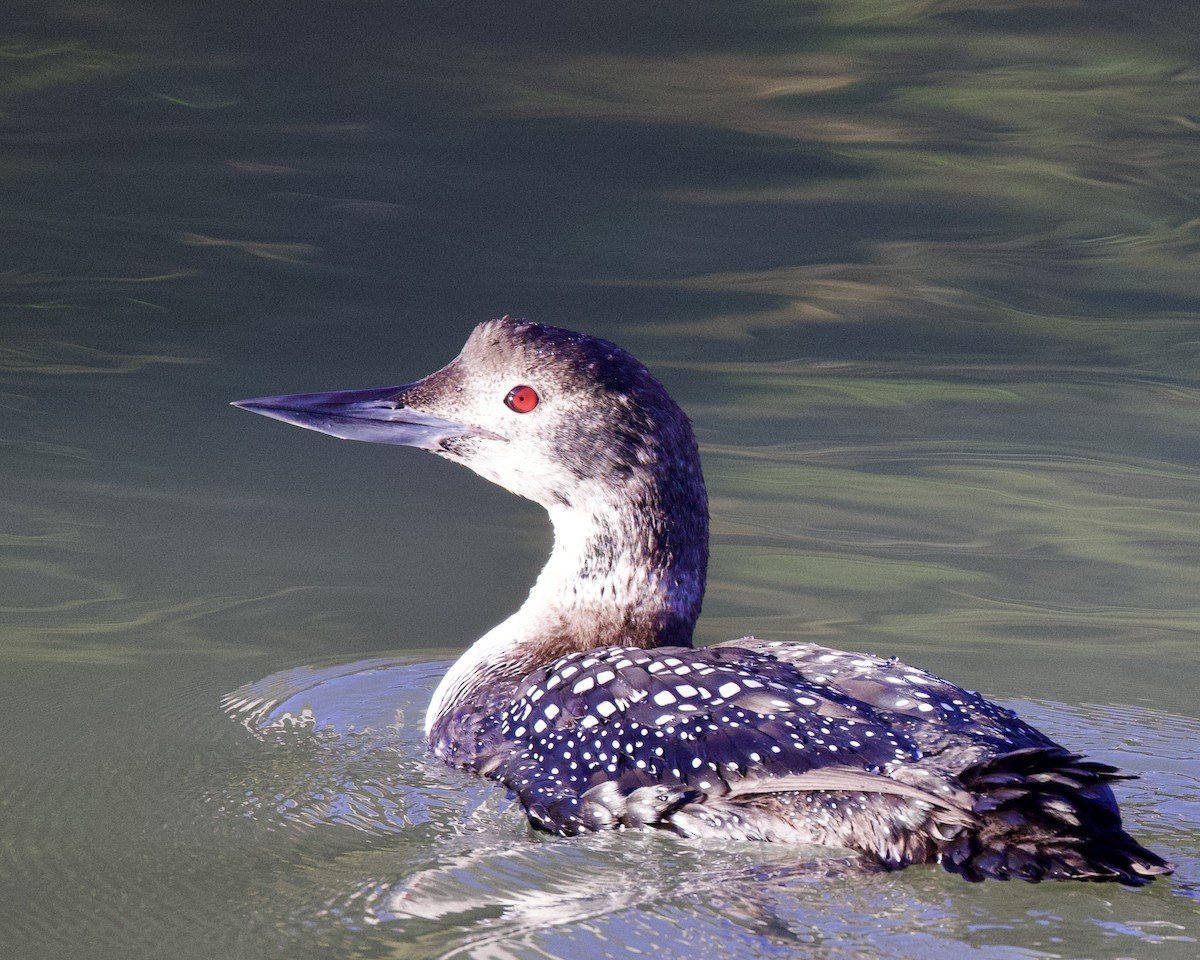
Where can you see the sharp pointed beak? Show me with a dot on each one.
(375, 416)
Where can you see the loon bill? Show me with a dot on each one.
(591, 706)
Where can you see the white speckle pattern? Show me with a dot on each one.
(630, 719)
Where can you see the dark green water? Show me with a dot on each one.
(925, 275)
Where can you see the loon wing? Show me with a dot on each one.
(627, 736)
(798, 743)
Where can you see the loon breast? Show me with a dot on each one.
(592, 708)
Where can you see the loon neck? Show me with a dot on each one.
(625, 570)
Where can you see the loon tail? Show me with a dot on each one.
(1046, 814)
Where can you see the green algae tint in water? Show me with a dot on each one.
(922, 274)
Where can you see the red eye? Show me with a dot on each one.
(521, 399)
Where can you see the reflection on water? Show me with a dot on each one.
(348, 752)
(924, 275)
(354, 717)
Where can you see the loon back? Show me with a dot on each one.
(589, 704)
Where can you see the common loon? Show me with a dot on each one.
(591, 705)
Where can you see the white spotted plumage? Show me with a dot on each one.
(761, 714)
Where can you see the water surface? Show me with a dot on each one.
(924, 276)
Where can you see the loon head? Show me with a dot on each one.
(558, 417)
(579, 426)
